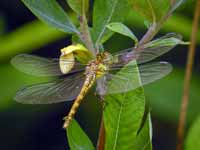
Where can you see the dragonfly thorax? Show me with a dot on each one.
(97, 69)
(100, 65)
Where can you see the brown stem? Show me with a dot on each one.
(85, 33)
(154, 28)
(188, 74)
(101, 138)
(149, 34)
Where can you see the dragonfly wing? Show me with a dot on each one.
(127, 79)
(152, 51)
(39, 66)
(145, 53)
(56, 91)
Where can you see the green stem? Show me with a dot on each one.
(85, 33)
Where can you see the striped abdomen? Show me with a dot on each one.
(90, 79)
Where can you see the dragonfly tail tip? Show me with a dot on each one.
(66, 123)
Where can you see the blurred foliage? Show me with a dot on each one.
(176, 23)
(30, 36)
(192, 140)
(164, 96)
(11, 80)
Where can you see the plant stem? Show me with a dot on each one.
(85, 33)
(188, 74)
(101, 138)
(154, 28)
(152, 31)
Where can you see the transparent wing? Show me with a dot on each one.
(53, 92)
(146, 52)
(39, 66)
(127, 78)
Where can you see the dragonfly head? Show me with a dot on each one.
(105, 58)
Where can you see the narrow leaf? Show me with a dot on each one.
(122, 29)
(77, 138)
(144, 137)
(51, 13)
(105, 12)
(169, 40)
(122, 116)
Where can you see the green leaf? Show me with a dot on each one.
(123, 115)
(122, 29)
(169, 40)
(78, 5)
(152, 10)
(51, 13)
(77, 138)
(192, 140)
(105, 12)
(144, 137)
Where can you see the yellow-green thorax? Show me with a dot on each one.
(100, 65)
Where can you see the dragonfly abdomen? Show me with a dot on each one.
(86, 86)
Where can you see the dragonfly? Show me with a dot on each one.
(103, 69)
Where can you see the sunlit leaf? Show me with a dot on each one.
(51, 13)
(192, 140)
(77, 5)
(122, 29)
(81, 53)
(77, 138)
(105, 12)
(122, 117)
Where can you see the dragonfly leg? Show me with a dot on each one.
(102, 101)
